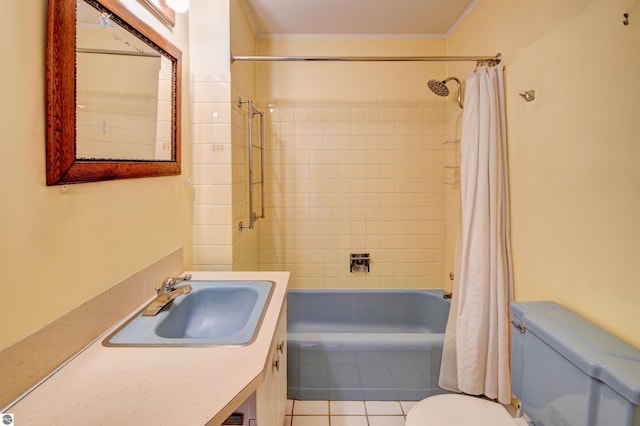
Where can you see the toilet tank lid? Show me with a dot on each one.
(595, 351)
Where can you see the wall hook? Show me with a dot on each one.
(528, 95)
(626, 19)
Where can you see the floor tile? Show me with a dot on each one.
(349, 413)
(383, 408)
(349, 421)
(406, 406)
(304, 408)
(310, 421)
(386, 420)
(347, 407)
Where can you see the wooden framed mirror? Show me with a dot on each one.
(113, 95)
(161, 10)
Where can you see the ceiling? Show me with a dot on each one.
(389, 18)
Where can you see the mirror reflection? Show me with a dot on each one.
(123, 92)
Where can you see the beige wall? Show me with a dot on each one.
(573, 152)
(348, 81)
(61, 246)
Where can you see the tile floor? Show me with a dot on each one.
(347, 413)
(351, 413)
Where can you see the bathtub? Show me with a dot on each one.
(365, 344)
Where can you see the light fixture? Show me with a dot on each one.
(179, 6)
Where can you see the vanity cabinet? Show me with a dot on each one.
(271, 396)
(214, 379)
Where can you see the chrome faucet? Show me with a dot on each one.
(166, 293)
(170, 284)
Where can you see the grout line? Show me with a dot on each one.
(366, 414)
(402, 409)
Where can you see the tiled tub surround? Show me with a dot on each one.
(245, 242)
(452, 184)
(355, 177)
(340, 178)
(220, 176)
(159, 386)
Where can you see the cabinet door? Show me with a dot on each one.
(271, 397)
(281, 373)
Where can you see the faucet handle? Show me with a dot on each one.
(186, 277)
(169, 283)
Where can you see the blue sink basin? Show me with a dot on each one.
(214, 313)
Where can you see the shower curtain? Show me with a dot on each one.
(475, 357)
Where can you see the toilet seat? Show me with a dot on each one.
(459, 410)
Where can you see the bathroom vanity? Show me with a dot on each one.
(192, 385)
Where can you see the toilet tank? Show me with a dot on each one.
(567, 371)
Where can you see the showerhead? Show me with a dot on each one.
(440, 88)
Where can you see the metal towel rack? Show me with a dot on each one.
(253, 217)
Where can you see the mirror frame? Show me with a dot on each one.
(62, 166)
(162, 11)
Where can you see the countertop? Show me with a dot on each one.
(156, 386)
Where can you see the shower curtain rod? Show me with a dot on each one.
(494, 60)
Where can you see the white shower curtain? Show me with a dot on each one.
(476, 350)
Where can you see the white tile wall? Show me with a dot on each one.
(245, 242)
(116, 126)
(212, 172)
(452, 187)
(340, 178)
(355, 177)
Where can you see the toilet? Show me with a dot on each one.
(565, 370)
(454, 409)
